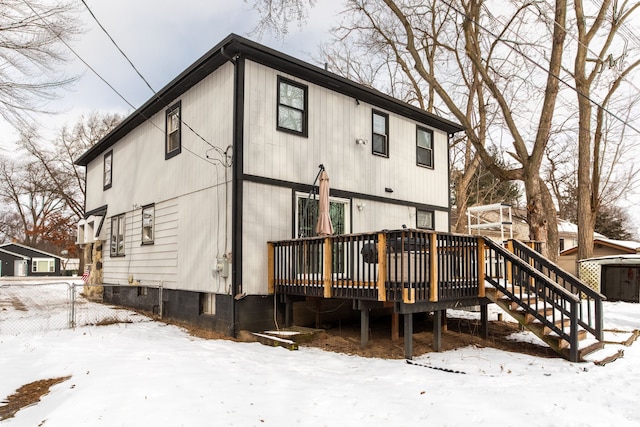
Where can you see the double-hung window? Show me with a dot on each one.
(424, 147)
(117, 235)
(292, 107)
(424, 220)
(108, 171)
(148, 214)
(173, 145)
(380, 135)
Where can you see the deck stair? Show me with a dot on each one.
(554, 305)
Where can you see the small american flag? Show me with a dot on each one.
(85, 275)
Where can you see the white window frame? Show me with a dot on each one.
(51, 267)
(107, 178)
(173, 131)
(303, 196)
(148, 223)
(117, 239)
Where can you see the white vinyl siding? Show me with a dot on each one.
(335, 123)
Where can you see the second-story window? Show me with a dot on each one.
(108, 170)
(424, 147)
(292, 107)
(173, 145)
(380, 136)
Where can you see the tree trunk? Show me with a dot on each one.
(537, 216)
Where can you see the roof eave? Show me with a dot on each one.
(224, 52)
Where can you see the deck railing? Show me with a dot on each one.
(591, 315)
(537, 295)
(399, 265)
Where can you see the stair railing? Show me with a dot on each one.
(535, 293)
(591, 315)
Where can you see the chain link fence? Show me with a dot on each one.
(43, 306)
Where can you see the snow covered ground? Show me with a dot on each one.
(151, 374)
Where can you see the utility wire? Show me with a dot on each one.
(536, 64)
(104, 80)
(95, 18)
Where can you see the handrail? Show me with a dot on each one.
(541, 295)
(532, 255)
(530, 269)
(576, 286)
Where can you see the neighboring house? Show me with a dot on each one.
(602, 247)
(187, 191)
(614, 269)
(501, 221)
(20, 260)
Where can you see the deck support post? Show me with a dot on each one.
(437, 330)
(395, 326)
(288, 312)
(318, 311)
(408, 336)
(364, 327)
(484, 321)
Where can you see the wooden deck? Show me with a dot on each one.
(424, 271)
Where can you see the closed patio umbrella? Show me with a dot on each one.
(324, 226)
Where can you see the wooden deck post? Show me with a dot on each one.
(271, 268)
(382, 267)
(509, 269)
(481, 272)
(437, 330)
(395, 326)
(433, 264)
(408, 336)
(364, 327)
(327, 273)
(288, 312)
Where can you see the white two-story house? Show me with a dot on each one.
(186, 192)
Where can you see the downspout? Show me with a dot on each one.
(237, 184)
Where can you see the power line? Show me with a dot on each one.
(105, 81)
(217, 149)
(538, 65)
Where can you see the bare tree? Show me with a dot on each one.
(30, 34)
(56, 158)
(598, 47)
(469, 70)
(24, 191)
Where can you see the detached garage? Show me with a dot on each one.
(617, 277)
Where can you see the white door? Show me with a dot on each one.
(20, 268)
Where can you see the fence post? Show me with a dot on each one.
(160, 300)
(72, 309)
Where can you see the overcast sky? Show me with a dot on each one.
(162, 38)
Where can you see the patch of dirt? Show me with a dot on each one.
(26, 395)
(18, 305)
(460, 333)
(346, 338)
